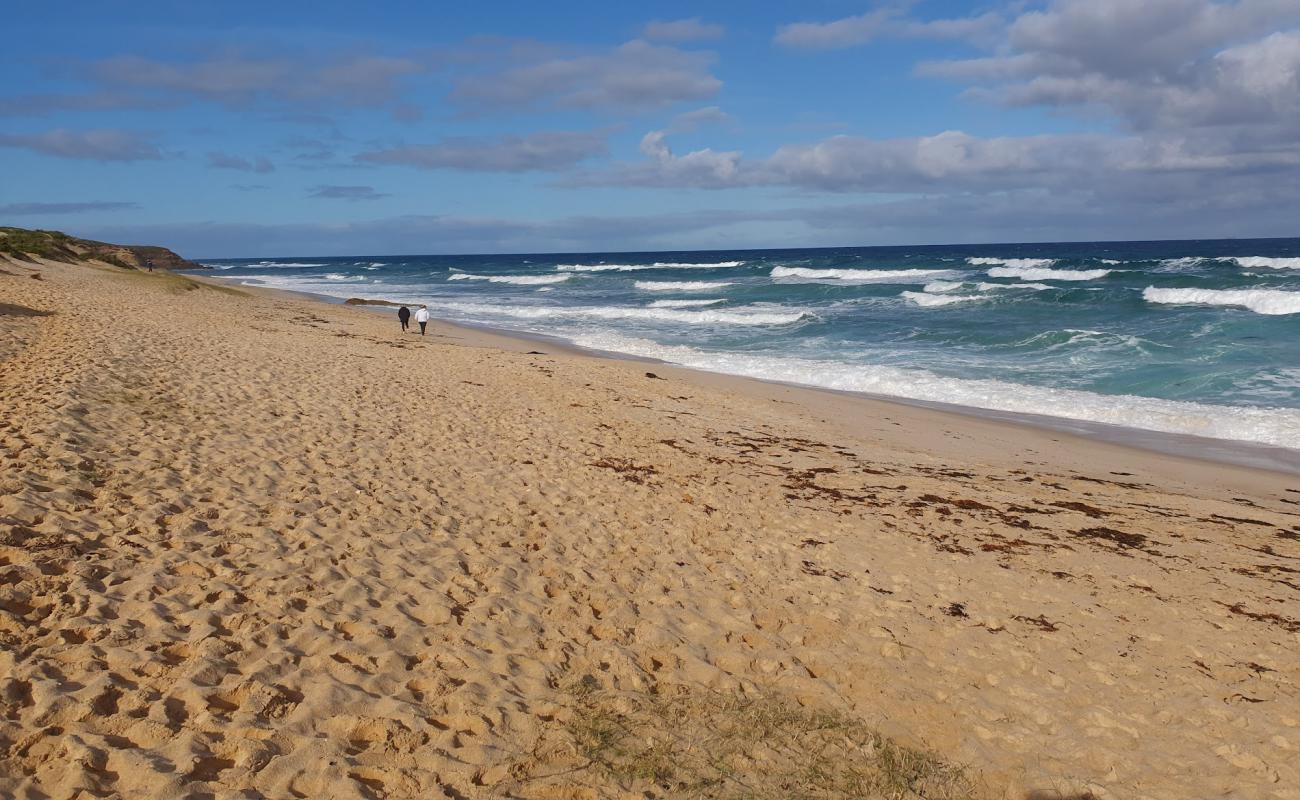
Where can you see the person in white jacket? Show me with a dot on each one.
(422, 317)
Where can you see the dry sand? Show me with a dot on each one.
(255, 546)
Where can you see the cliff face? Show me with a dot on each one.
(21, 243)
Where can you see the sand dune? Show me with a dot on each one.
(255, 546)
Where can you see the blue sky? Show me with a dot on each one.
(342, 128)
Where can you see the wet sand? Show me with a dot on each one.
(253, 545)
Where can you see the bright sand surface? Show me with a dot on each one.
(257, 546)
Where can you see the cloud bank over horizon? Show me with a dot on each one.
(903, 123)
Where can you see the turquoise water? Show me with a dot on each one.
(1185, 337)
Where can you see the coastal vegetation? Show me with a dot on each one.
(24, 244)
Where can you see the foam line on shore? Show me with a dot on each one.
(1272, 426)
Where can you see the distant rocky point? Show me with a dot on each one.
(22, 244)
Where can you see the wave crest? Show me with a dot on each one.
(777, 315)
(1261, 301)
(927, 300)
(680, 286)
(1263, 262)
(516, 280)
(641, 267)
(1038, 274)
(686, 303)
(864, 275)
(939, 287)
(1016, 263)
(689, 265)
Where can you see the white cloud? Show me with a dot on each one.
(1159, 64)
(634, 76)
(682, 30)
(690, 120)
(260, 164)
(537, 152)
(886, 21)
(92, 145)
(241, 81)
(699, 169)
(845, 32)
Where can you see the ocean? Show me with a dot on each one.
(1182, 337)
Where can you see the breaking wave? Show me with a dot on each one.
(516, 280)
(927, 300)
(1273, 426)
(1039, 274)
(776, 315)
(641, 267)
(1261, 301)
(939, 287)
(679, 265)
(865, 275)
(1016, 263)
(686, 303)
(1263, 262)
(680, 286)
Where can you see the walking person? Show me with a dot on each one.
(422, 317)
(404, 316)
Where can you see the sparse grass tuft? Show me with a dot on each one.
(697, 743)
(174, 283)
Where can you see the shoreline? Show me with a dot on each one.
(1205, 450)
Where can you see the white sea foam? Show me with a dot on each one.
(1179, 263)
(939, 287)
(1074, 338)
(862, 275)
(1263, 262)
(686, 303)
(340, 289)
(264, 265)
(515, 280)
(1017, 263)
(689, 265)
(926, 300)
(1110, 261)
(989, 287)
(601, 267)
(748, 315)
(680, 286)
(1261, 301)
(285, 264)
(338, 276)
(640, 267)
(1039, 274)
(1274, 426)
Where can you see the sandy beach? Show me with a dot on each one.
(253, 545)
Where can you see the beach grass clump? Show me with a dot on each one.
(700, 743)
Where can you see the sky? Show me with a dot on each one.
(342, 128)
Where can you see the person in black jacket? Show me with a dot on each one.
(404, 315)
